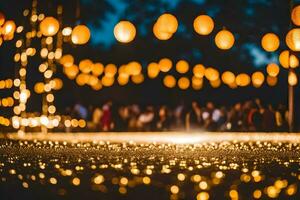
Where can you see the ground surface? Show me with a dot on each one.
(150, 166)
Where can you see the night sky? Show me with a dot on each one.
(249, 20)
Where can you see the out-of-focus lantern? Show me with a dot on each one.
(228, 77)
(67, 31)
(271, 81)
(80, 35)
(169, 81)
(242, 80)
(183, 83)
(124, 31)
(216, 83)
(294, 62)
(49, 26)
(295, 15)
(107, 81)
(39, 87)
(2, 18)
(110, 70)
(93, 80)
(165, 26)
(137, 79)
(270, 42)
(82, 79)
(97, 86)
(258, 79)
(273, 69)
(167, 23)
(211, 74)
(123, 79)
(8, 30)
(224, 39)
(292, 79)
(153, 70)
(85, 66)
(182, 66)
(197, 83)
(133, 68)
(97, 69)
(284, 59)
(203, 24)
(293, 39)
(67, 60)
(199, 71)
(159, 34)
(58, 84)
(165, 64)
(72, 71)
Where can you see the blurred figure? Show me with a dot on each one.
(193, 117)
(280, 117)
(163, 122)
(106, 119)
(133, 117)
(179, 118)
(146, 119)
(96, 118)
(268, 119)
(80, 111)
(123, 119)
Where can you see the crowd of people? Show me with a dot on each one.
(251, 115)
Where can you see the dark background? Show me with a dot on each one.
(249, 20)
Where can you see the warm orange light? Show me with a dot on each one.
(271, 81)
(71, 72)
(242, 80)
(137, 79)
(258, 79)
(292, 79)
(182, 66)
(110, 70)
(270, 42)
(295, 15)
(228, 77)
(167, 23)
(165, 64)
(203, 24)
(224, 39)
(49, 26)
(294, 61)
(216, 83)
(85, 66)
(107, 81)
(284, 59)
(165, 26)
(183, 83)
(97, 69)
(197, 83)
(293, 39)
(124, 31)
(80, 35)
(169, 81)
(211, 74)
(199, 71)
(2, 18)
(153, 70)
(67, 60)
(273, 69)
(133, 68)
(161, 35)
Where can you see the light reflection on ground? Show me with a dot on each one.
(150, 166)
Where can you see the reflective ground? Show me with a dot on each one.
(150, 166)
